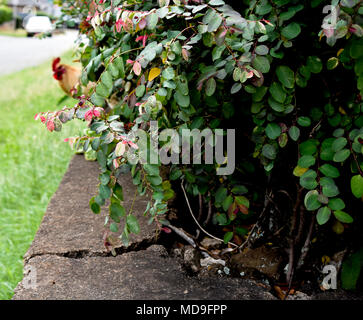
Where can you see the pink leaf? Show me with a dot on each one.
(133, 145)
(88, 115)
(115, 163)
(329, 32)
(50, 125)
(166, 230)
(97, 112)
(137, 68)
(142, 24)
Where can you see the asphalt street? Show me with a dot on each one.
(19, 53)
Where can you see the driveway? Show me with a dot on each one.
(19, 53)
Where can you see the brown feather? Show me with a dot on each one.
(70, 78)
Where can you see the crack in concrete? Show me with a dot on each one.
(86, 253)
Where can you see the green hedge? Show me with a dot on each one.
(6, 14)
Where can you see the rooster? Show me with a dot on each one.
(67, 76)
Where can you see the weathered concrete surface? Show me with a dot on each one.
(68, 260)
(145, 274)
(70, 227)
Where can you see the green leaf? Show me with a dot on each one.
(101, 158)
(261, 63)
(308, 183)
(327, 152)
(263, 8)
(119, 63)
(314, 64)
(307, 180)
(259, 94)
(152, 169)
(351, 269)
(291, 31)
(329, 171)
(356, 50)
(330, 190)
(236, 87)
(94, 206)
(338, 133)
(239, 190)
(118, 192)
(221, 219)
(155, 181)
(343, 216)
(227, 203)
(228, 237)
(220, 195)
(132, 224)
(168, 73)
(210, 87)
(242, 201)
(283, 139)
(269, 151)
(103, 90)
(356, 184)
(262, 50)
(311, 200)
(306, 161)
(294, 133)
(116, 212)
(113, 227)
(215, 23)
(323, 199)
(341, 155)
(323, 215)
(104, 178)
(308, 147)
(106, 79)
(278, 107)
(176, 174)
(183, 101)
(273, 130)
(286, 76)
(336, 204)
(301, 81)
(105, 192)
(216, 3)
(304, 121)
(114, 70)
(152, 21)
(277, 92)
(332, 63)
(339, 144)
(140, 91)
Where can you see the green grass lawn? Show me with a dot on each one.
(32, 163)
(13, 33)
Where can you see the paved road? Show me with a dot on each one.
(19, 53)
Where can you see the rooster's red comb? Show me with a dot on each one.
(55, 63)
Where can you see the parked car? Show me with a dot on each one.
(38, 24)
